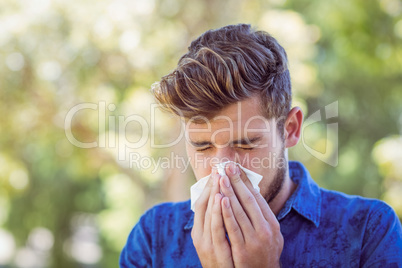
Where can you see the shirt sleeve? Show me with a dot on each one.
(138, 250)
(382, 245)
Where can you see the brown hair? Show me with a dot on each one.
(224, 66)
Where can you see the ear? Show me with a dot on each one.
(293, 126)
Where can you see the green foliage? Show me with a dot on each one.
(56, 55)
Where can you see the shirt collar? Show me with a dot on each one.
(306, 199)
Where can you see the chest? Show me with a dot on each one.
(328, 245)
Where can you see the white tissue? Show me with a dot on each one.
(199, 186)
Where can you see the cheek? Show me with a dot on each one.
(189, 150)
(252, 160)
(200, 169)
(261, 161)
(199, 163)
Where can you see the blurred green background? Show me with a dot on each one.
(66, 206)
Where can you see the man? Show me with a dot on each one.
(233, 90)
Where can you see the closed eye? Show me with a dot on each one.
(247, 144)
(203, 149)
(246, 148)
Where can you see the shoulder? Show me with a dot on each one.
(370, 221)
(355, 208)
(169, 208)
(161, 220)
(372, 218)
(334, 200)
(154, 228)
(173, 206)
(169, 213)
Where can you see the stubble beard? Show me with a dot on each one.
(279, 178)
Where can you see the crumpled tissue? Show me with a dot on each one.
(199, 186)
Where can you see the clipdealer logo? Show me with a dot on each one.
(272, 160)
(117, 129)
(112, 132)
(329, 117)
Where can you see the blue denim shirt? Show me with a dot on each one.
(321, 228)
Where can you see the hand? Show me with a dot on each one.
(208, 232)
(254, 232)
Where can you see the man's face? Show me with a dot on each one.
(239, 133)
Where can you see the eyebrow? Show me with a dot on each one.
(244, 141)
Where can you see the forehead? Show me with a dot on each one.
(236, 120)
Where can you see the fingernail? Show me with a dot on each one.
(234, 169)
(226, 181)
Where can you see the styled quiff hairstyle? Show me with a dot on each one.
(225, 66)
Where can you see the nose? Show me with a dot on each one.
(226, 153)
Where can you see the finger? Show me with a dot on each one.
(269, 216)
(239, 213)
(200, 208)
(261, 201)
(244, 195)
(232, 227)
(219, 240)
(208, 213)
